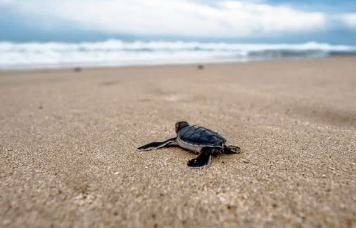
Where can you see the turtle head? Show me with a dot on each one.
(180, 125)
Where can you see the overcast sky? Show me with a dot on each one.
(218, 20)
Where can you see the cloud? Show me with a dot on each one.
(5, 2)
(176, 17)
(348, 19)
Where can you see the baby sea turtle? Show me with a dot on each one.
(203, 141)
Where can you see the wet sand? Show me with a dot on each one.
(68, 140)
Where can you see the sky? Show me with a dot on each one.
(254, 21)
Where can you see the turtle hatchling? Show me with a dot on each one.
(203, 141)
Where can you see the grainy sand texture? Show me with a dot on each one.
(68, 140)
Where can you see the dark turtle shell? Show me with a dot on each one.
(202, 136)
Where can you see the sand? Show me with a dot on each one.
(68, 139)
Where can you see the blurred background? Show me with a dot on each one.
(67, 33)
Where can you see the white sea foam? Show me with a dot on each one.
(117, 53)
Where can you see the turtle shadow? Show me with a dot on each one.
(213, 156)
(192, 155)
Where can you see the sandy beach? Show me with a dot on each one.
(68, 142)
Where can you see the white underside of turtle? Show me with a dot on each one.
(192, 147)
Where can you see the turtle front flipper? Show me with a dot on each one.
(203, 158)
(156, 145)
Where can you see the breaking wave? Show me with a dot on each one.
(36, 55)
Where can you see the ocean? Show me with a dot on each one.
(35, 55)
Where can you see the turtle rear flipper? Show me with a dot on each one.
(232, 149)
(203, 158)
(156, 145)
